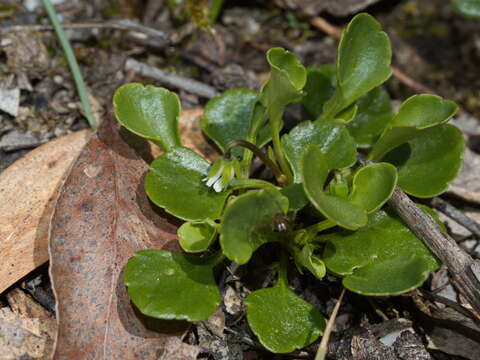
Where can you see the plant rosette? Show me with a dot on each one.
(335, 170)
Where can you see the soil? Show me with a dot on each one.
(431, 43)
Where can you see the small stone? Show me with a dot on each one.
(10, 100)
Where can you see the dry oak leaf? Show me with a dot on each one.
(28, 191)
(102, 217)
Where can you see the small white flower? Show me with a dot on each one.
(219, 175)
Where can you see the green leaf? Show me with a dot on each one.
(319, 88)
(373, 185)
(287, 79)
(281, 320)
(169, 285)
(347, 114)
(305, 257)
(364, 56)
(196, 237)
(335, 208)
(248, 222)
(297, 199)
(331, 136)
(470, 8)
(382, 258)
(149, 112)
(429, 162)
(175, 183)
(373, 115)
(228, 117)
(417, 113)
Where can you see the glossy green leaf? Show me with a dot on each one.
(417, 113)
(382, 258)
(297, 199)
(196, 237)
(228, 117)
(335, 208)
(248, 222)
(319, 87)
(470, 8)
(331, 136)
(149, 112)
(364, 56)
(305, 258)
(175, 183)
(287, 79)
(347, 114)
(169, 285)
(281, 320)
(373, 185)
(429, 162)
(373, 115)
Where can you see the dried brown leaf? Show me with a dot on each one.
(28, 191)
(102, 217)
(21, 338)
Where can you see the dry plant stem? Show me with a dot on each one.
(172, 80)
(455, 214)
(323, 347)
(465, 271)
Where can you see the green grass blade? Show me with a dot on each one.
(72, 63)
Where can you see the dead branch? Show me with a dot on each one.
(465, 271)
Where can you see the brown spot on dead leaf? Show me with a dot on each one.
(27, 194)
(95, 317)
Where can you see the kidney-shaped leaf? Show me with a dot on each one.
(429, 162)
(228, 117)
(335, 208)
(364, 56)
(196, 237)
(169, 285)
(149, 112)
(382, 258)
(330, 136)
(248, 222)
(282, 321)
(417, 113)
(174, 182)
(373, 185)
(373, 115)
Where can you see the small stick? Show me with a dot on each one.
(180, 82)
(455, 214)
(323, 347)
(465, 271)
(452, 304)
(118, 24)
